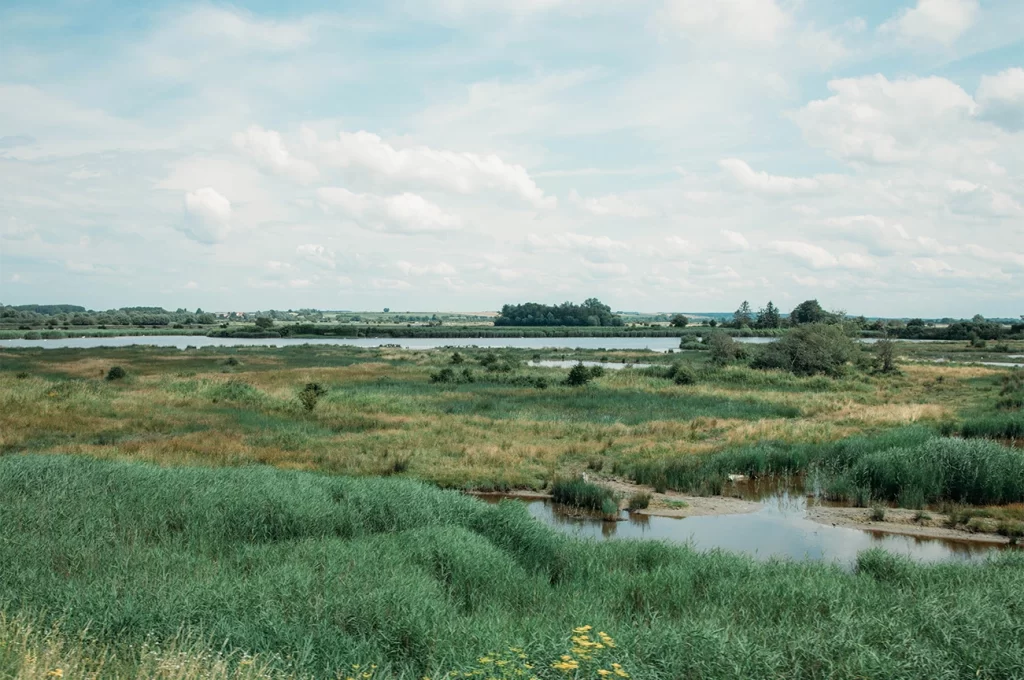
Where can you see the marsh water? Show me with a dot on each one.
(185, 341)
(780, 529)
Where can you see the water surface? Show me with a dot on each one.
(779, 530)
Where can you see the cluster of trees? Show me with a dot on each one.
(591, 313)
(73, 315)
(769, 316)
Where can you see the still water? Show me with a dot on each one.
(183, 341)
(779, 530)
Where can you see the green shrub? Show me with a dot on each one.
(813, 349)
(877, 513)
(639, 501)
(579, 375)
(116, 373)
(580, 494)
(457, 358)
(310, 395)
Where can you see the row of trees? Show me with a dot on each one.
(591, 313)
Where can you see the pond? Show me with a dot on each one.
(780, 529)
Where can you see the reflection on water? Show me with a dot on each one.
(779, 529)
(611, 365)
(183, 341)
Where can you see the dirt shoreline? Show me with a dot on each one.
(899, 521)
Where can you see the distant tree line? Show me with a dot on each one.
(591, 313)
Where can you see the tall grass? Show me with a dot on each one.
(309, 574)
(994, 426)
(581, 494)
(910, 466)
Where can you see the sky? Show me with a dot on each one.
(456, 155)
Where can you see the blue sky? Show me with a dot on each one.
(459, 154)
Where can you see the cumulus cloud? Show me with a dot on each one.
(269, 151)
(765, 183)
(207, 216)
(456, 171)
(813, 255)
(438, 269)
(874, 120)
(316, 254)
(405, 213)
(968, 198)
(743, 21)
(609, 205)
(593, 248)
(737, 239)
(1001, 99)
(940, 21)
(242, 29)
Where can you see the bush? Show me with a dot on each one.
(597, 371)
(723, 348)
(579, 375)
(116, 373)
(445, 375)
(310, 395)
(580, 494)
(877, 513)
(639, 501)
(232, 361)
(683, 374)
(457, 358)
(814, 349)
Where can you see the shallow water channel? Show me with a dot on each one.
(780, 529)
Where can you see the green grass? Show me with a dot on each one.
(580, 494)
(910, 466)
(994, 426)
(314, 573)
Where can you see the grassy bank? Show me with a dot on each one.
(381, 412)
(310, 574)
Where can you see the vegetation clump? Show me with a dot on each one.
(639, 501)
(310, 395)
(578, 493)
(116, 373)
(812, 349)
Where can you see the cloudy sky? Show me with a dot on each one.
(459, 154)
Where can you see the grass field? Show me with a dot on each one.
(309, 574)
(212, 514)
(381, 411)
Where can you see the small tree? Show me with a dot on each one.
(579, 375)
(264, 323)
(723, 348)
(885, 355)
(809, 350)
(310, 395)
(742, 316)
(769, 317)
(808, 311)
(679, 321)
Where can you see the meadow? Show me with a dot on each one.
(259, 572)
(295, 512)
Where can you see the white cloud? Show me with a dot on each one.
(390, 284)
(874, 120)
(403, 213)
(268, 150)
(605, 269)
(300, 283)
(968, 198)
(942, 269)
(610, 205)
(316, 254)
(242, 29)
(744, 21)
(941, 21)
(856, 261)
(207, 216)
(191, 285)
(593, 248)
(461, 172)
(813, 255)
(1001, 99)
(736, 239)
(439, 269)
(765, 183)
